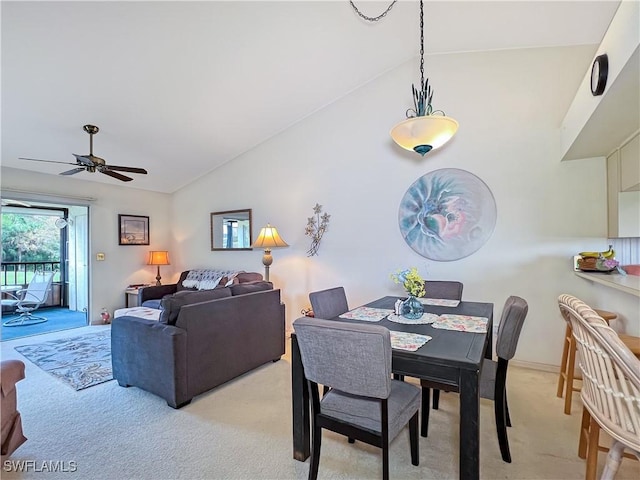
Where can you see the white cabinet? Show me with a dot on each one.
(623, 190)
(630, 165)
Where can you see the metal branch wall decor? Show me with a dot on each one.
(316, 226)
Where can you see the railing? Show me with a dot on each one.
(21, 273)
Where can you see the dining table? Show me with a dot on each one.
(450, 357)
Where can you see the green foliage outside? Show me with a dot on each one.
(29, 238)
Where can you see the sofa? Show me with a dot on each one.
(201, 340)
(11, 372)
(191, 280)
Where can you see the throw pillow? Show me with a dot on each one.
(171, 304)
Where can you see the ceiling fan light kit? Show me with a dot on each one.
(90, 163)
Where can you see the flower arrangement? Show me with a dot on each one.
(411, 280)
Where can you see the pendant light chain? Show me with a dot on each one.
(373, 19)
(421, 43)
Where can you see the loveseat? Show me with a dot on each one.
(202, 339)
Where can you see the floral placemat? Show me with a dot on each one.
(367, 314)
(462, 323)
(408, 341)
(441, 302)
(425, 318)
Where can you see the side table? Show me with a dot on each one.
(131, 296)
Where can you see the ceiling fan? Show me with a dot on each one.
(91, 163)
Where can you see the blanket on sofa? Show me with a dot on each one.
(209, 279)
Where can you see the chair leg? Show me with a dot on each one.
(584, 433)
(315, 453)
(563, 362)
(424, 429)
(506, 409)
(500, 410)
(613, 460)
(592, 449)
(570, 369)
(414, 440)
(385, 462)
(436, 398)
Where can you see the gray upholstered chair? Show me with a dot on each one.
(29, 299)
(364, 402)
(329, 303)
(494, 374)
(449, 290)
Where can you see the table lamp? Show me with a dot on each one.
(158, 258)
(268, 238)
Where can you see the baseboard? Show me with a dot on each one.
(544, 367)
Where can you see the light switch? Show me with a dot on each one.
(100, 257)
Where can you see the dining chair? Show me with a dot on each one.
(29, 299)
(449, 290)
(493, 376)
(329, 303)
(610, 386)
(364, 402)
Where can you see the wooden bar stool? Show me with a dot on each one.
(568, 362)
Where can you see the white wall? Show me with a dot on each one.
(509, 105)
(123, 265)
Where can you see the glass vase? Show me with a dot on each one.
(412, 309)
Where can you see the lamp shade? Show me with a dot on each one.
(424, 133)
(269, 238)
(158, 258)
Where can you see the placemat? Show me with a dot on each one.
(462, 323)
(441, 302)
(367, 314)
(425, 318)
(408, 341)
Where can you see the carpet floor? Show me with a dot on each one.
(242, 430)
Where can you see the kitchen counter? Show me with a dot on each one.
(625, 283)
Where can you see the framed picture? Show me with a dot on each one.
(134, 230)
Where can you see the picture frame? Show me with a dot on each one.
(133, 230)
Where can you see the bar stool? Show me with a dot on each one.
(567, 364)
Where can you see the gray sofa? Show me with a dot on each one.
(203, 339)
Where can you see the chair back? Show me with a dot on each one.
(448, 290)
(513, 314)
(611, 373)
(38, 288)
(349, 357)
(329, 303)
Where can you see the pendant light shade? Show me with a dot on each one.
(425, 133)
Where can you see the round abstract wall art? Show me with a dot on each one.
(447, 214)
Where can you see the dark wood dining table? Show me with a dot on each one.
(450, 357)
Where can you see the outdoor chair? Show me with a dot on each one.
(493, 376)
(610, 386)
(449, 290)
(29, 299)
(363, 402)
(329, 303)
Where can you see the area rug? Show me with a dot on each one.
(80, 362)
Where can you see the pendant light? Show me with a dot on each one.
(424, 129)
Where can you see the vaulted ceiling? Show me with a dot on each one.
(179, 88)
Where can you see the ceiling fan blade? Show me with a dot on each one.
(46, 161)
(116, 175)
(84, 160)
(73, 171)
(126, 169)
